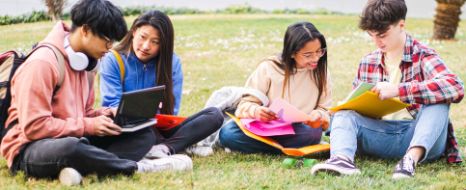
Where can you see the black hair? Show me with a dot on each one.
(102, 17)
(378, 15)
(162, 23)
(296, 37)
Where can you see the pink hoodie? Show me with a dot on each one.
(41, 113)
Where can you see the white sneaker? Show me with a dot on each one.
(202, 151)
(158, 151)
(70, 177)
(176, 162)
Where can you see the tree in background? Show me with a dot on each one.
(447, 18)
(55, 8)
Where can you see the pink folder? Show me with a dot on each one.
(272, 128)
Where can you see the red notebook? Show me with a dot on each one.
(167, 122)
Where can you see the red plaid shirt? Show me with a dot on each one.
(425, 80)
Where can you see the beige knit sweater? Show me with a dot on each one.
(302, 92)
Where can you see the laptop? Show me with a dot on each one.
(137, 109)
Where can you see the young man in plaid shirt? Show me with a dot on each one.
(404, 68)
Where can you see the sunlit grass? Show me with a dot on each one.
(222, 50)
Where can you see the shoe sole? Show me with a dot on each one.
(331, 169)
(200, 151)
(398, 176)
(185, 159)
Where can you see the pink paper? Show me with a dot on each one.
(287, 112)
(272, 128)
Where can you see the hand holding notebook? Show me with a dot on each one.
(368, 103)
(289, 113)
(280, 120)
(264, 114)
(317, 119)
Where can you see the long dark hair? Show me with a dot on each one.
(162, 23)
(296, 36)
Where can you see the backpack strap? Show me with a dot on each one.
(60, 65)
(60, 61)
(61, 76)
(121, 65)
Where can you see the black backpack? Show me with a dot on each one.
(9, 63)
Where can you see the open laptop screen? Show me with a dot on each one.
(139, 105)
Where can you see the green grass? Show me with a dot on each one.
(222, 50)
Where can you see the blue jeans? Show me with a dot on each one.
(390, 138)
(232, 137)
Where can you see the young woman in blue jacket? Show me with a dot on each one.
(149, 60)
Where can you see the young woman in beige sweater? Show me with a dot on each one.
(299, 76)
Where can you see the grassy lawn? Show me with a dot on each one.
(222, 50)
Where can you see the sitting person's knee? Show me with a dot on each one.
(215, 115)
(69, 146)
(346, 113)
(308, 135)
(227, 132)
(311, 138)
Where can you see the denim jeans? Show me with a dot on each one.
(232, 137)
(390, 138)
(192, 130)
(101, 155)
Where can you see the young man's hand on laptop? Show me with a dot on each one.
(109, 112)
(104, 126)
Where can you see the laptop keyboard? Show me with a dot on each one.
(125, 122)
(135, 121)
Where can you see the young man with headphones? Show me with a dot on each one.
(55, 130)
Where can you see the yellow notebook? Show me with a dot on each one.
(369, 104)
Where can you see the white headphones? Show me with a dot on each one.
(79, 61)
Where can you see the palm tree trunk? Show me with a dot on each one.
(55, 8)
(447, 18)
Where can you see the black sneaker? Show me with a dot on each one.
(405, 168)
(337, 165)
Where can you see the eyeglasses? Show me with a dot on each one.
(108, 41)
(319, 53)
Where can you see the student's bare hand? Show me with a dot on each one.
(104, 126)
(109, 112)
(317, 120)
(386, 90)
(264, 114)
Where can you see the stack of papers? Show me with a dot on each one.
(272, 128)
(288, 151)
(287, 114)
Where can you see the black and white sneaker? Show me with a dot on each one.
(337, 165)
(405, 168)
